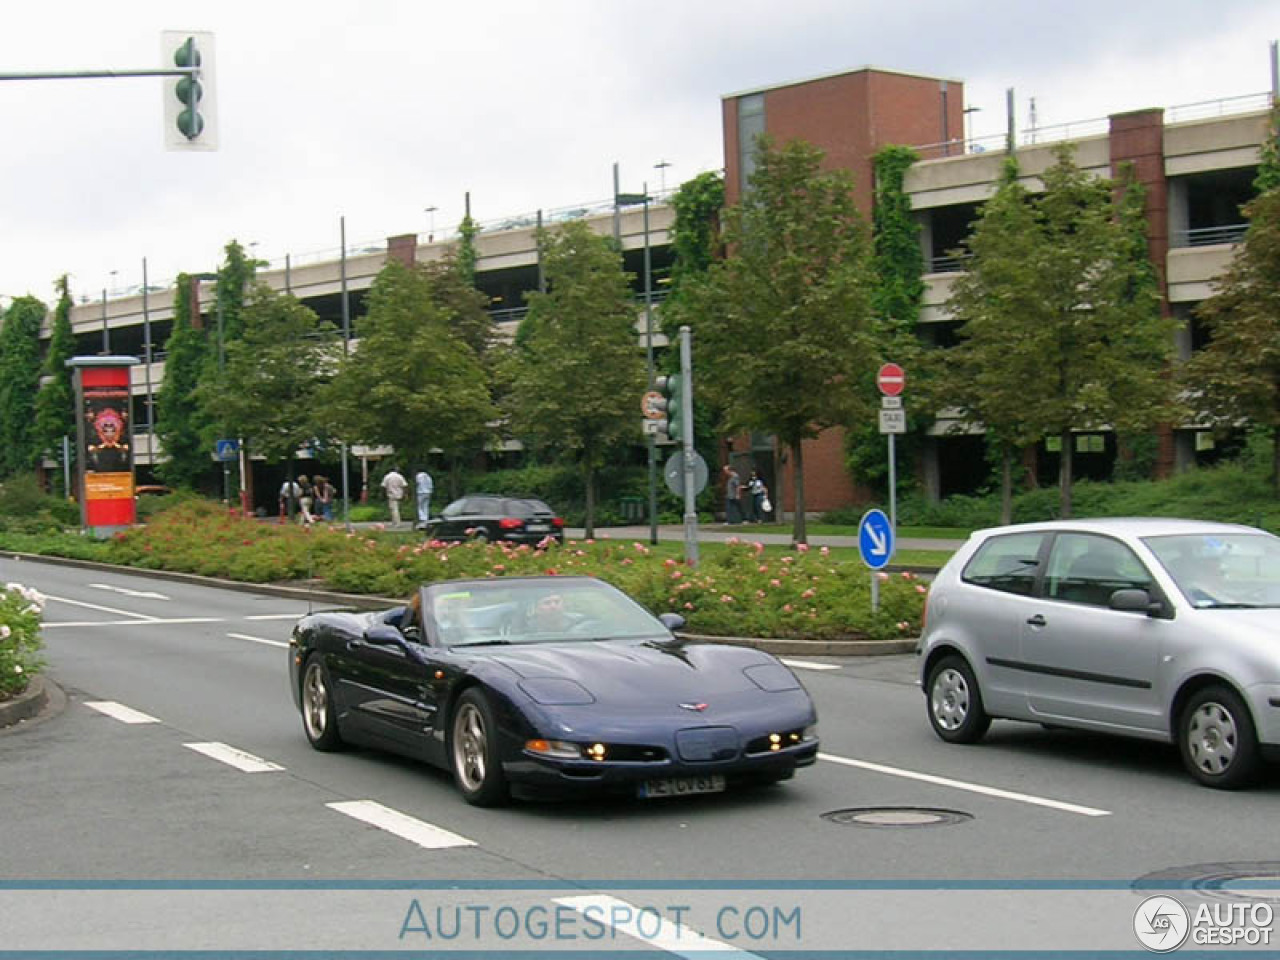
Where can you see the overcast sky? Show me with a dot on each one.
(377, 110)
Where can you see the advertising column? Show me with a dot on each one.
(104, 442)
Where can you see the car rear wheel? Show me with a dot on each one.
(955, 702)
(473, 748)
(1217, 739)
(319, 719)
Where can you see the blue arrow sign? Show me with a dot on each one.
(875, 539)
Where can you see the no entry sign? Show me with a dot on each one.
(891, 380)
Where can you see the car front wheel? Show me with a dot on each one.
(1217, 739)
(955, 702)
(319, 719)
(477, 769)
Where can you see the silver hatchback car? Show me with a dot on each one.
(1167, 630)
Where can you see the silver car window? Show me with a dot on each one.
(1006, 563)
(1086, 568)
(1222, 569)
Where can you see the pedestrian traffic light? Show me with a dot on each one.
(673, 387)
(190, 122)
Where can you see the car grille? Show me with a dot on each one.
(702, 744)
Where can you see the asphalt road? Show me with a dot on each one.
(89, 797)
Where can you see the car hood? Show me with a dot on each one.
(1262, 623)
(641, 673)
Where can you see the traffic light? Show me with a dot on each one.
(673, 387)
(190, 121)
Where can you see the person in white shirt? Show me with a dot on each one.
(394, 486)
(423, 486)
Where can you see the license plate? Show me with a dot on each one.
(681, 786)
(539, 527)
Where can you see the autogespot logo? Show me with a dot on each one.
(1161, 924)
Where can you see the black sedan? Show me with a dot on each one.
(549, 685)
(485, 516)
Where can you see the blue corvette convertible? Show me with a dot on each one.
(549, 685)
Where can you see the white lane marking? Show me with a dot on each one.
(245, 636)
(809, 664)
(94, 606)
(408, 828)
(119, 711)
(234, 758)
(149, 622)
(673, 938)
(145, 594)
(971, 787)
(276, 616)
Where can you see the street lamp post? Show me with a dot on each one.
(431, 231)
(226, 470)
(627, 200)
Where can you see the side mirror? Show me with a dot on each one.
(672, 621)
(1136, 601)
(383, 635)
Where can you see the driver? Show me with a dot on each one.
(549, 615)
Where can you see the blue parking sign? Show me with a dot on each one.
(875, 539)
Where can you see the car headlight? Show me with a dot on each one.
(556, 692)
(772, 677)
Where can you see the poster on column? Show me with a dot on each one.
(107, 452)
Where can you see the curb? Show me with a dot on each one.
(31, 702)
(782, 646)
(788, 646)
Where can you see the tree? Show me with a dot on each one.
(1061, 314)
(19, 381)
(267, 390)
(980, 381)
(575, 373)
(413, 383)
(55, 403)
(1236, 377)
(178, 416)
(783, 331)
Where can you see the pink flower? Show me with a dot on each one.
(499, 568)
(763, 568)
(786, 608)
(669, 562)
(627, 561)
(903, 625)
(733, 540)
(825, 551)
(808, 593)
(758, 547)
(676, 574)
(788, 559)
(760, 594)
(775, 583)
(882, 577)
(688, 606)
(725, 598)
(802, 548)
(906, 575)
(921, 588)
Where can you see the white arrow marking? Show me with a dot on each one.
(878, 541)
(129, 593)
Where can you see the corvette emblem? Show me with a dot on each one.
(695, 707)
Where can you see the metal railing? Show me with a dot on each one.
(1207, 236)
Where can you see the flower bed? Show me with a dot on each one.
(744, 590)
(20, 644)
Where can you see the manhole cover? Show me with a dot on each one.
(1250, 880)
(896, 817)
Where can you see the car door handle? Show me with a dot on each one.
(1038, 620)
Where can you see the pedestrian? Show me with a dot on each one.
(394, 486)
(423, 487)
(732, 491)
(306, 499)
(760, 505)
(324, 497)
(289, 494)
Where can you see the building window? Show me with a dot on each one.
(750, 126)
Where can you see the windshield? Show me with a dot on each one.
(543, 611)
(1213, 570)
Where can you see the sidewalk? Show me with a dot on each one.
(720, 532)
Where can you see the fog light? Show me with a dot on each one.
(596, 751)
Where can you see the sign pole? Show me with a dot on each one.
(893, 485)
(690, 489)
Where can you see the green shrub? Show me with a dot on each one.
(20, 644)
